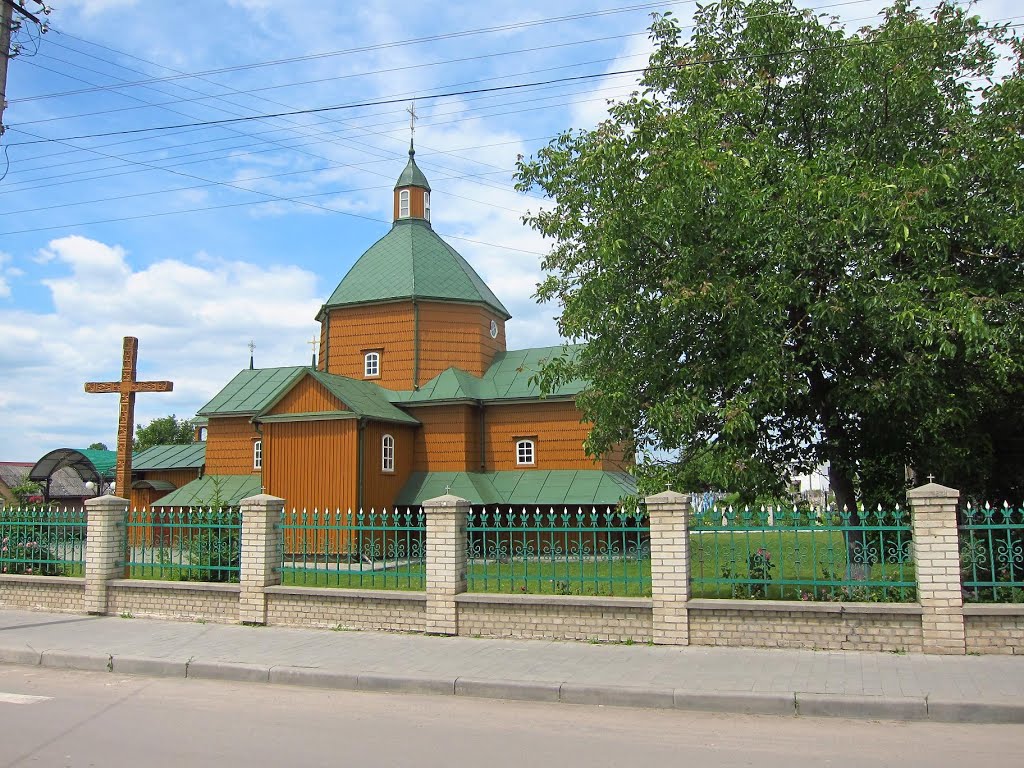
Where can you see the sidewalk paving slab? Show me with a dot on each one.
(737, 680)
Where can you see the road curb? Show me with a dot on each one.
(739, 702)
(974, 712)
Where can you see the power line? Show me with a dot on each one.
(382, 46)
(500, 88)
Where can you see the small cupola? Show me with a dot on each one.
(412, 192)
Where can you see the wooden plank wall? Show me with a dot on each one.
(311, 464)
(380, 488)
(387, 327)
(555, 428)
(229, 446)
(308, 396)
(449, 439)
(457, 335)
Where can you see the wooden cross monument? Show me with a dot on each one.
(127, 387)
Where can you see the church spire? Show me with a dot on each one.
(412, 190)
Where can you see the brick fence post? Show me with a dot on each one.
(446, 561)
(668, 513)
(105, 542)
(937, 563)
(262, 547)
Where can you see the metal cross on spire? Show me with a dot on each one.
(252, 359)
(312, 343)
(127, 387)
(411, 109)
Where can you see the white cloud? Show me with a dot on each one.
(193, 318)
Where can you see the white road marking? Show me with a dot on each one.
(20, 698)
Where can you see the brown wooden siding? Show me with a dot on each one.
(308, 396)
(415, 202)
(229, 445)
(457, 335)
(450, 335)
(380, 488)
(555, 428)
(311, 464)
(449, 439)
(384, 327)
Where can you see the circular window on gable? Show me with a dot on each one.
(494, 329)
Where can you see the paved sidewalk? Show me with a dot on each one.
(781, 682)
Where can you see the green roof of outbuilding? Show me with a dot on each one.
(412, 176)
(200, 492)
(171, 457)
(508, 378)
(556, 487)
(413, 262)
(104, 461)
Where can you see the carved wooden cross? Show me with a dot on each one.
(127, 387)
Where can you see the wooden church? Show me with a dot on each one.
(413, 394)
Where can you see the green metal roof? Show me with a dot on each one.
(254, 392)
(364, 397)
(412, 176)
(171, 457)
(556, 487)
(200, 492)
(251, 391)
(413, 262)
(508, 378)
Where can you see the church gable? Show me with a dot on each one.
(307, 395)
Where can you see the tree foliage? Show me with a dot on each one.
(798, 244)
(98, 447)
(167, 430)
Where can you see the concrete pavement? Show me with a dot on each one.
(889, 686)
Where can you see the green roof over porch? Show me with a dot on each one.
(531, 487)
(200, 492)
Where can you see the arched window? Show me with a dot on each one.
(387, 454)
(201, 435)
(524, 453)
(257, 454)
(426, 206)
(403, 204)
(371, 364)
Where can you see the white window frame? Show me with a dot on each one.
(257, 454)
(526, 453)
(426, 205)
(371, 365)
(387, 454)
(403, 204)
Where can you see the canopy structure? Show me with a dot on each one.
(92, 466)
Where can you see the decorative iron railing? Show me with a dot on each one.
(372, 550)
(789, 553)
(992, 554)
(600, 551)
(184, 544)
(41, 541)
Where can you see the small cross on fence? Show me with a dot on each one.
(447, 490)
(127, 387)
(931, 478)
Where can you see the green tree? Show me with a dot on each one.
(98, 447)
(167, 430)
(797, 244)
(26, 489)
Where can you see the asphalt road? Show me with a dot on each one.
(60, 718)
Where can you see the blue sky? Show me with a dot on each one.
(197, 240)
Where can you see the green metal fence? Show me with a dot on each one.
(787, 553)
(184, 544)
(372, 550)
(600, 551)
(992, 554)
(42, 541)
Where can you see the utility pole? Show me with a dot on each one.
(6, 21)
(7, 9)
